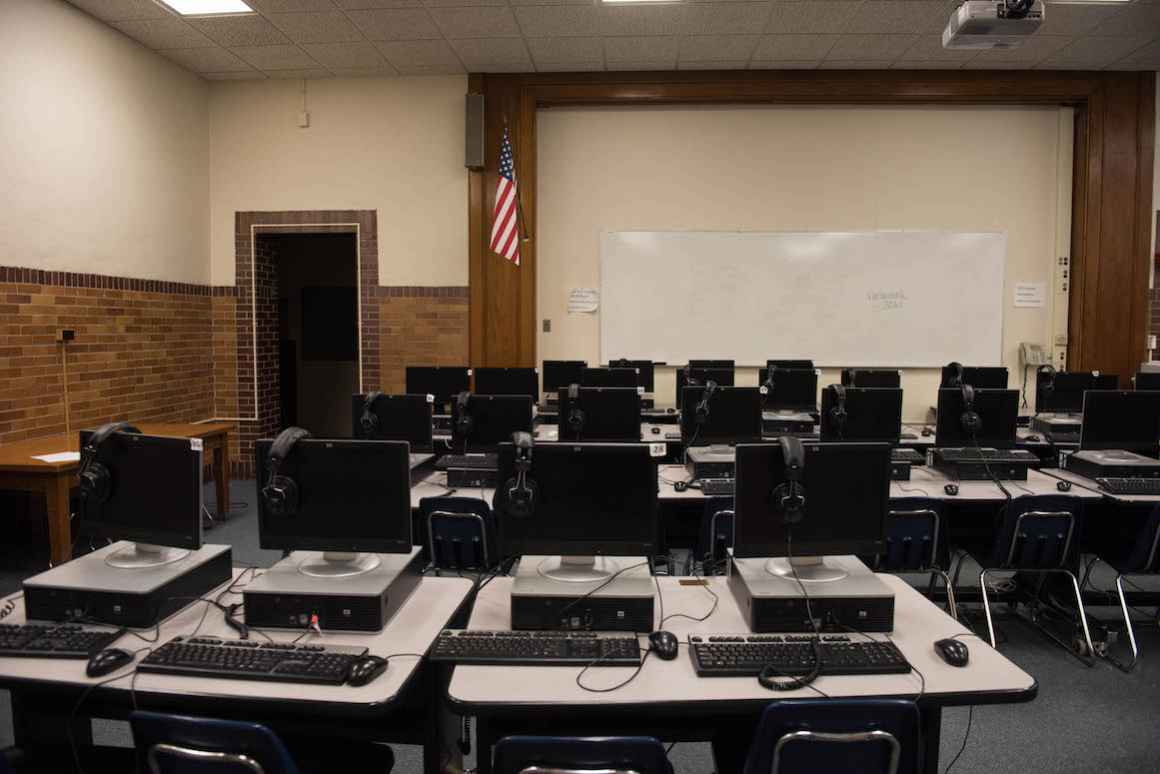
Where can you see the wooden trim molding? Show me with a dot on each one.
(1112, 168)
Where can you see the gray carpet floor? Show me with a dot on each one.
(1084, 719)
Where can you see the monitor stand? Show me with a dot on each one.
(140, 556)
(338, 564)
(577, 569)
(592, 593)
(808, 569)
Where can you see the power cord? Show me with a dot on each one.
(766, 678)
(602, 585)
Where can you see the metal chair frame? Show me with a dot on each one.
(200, 756)
(932, 566)
(840, 738)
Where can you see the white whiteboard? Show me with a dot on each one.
(850, 299)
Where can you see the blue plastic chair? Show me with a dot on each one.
(460, 533)
(862, 736)
(4, 768)
(914, 542)
(174, 744)
(580, 755)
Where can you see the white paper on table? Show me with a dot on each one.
(69, 456)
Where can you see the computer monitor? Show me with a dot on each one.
(592, 499)
(1118, 419)
(444, 382)
(645, 371)
(142, 488)
(791, 389)
(609, 377)
(393, 418)
(861, 414)
(1061, 392)
(712, 364)
(493, 419)
(600, 414)
(845, 488)
(871, 377)
(507, 381)
(561, 373)
(1146, 380)
(730, 415)
(793, 364)
(979, 377)
(353, 497)
(698, 377)
(997, 409)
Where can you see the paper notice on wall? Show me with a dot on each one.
(1030, 295)
(583, 300)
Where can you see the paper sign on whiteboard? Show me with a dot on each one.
(1030, 294)
(583, 300)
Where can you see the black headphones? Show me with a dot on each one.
(464, 422)
(96, 480)
(576, 416)
(280, 494)
(522, 490)
(838, 412)
(769, 383)
(956, 379)
(701, 413)
(370, 420)
(970, 418)
(789, 497)
(1049, 384)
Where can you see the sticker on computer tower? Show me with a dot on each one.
(658, 449)
(196, 444)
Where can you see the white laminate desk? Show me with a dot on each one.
(1085, 484)
(928, 482)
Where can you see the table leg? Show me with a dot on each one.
(56, 509)
(221, 477)
(931, 723)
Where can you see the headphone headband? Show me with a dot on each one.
(957, 376)
(284, 444)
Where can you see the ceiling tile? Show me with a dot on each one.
(487, 54)
(460, 3)
(894, 18)
(724, 64)
(251, 75)
(311, 73)
(1146, 58)
(351, 5)
(644, 65)
(865, 48)
(276, 57)
(164, 33)
(575, 67)
(726, 18)
(928, 64)
(414, 57)
(549, 2)
(640, 49)
(249, 30)
(349, 56)
(929, 48)
(122, 10)
(811, 17)
(712, 48)
(802, 65)
(386, 71)
(478, 22)
(326, 27)
(547, 51)
(979, 63)
(794, 47)
(1136, 19)
(206, 60)
(284, 6)
(396, 24)
(559, 21)
(854, 64)
(1076, 19)
(456, 69)
(643, 20)
(1034, 49)
(1093, 52)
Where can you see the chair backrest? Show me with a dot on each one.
(716, 532)
(913, 530)
(174, 744)
(1036, 532)
(867, 736)
(4, 768)
(580, 755)
(1145, 554)
(460, 532)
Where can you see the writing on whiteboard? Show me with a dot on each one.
(881, 300)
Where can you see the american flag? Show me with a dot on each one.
(505, 228)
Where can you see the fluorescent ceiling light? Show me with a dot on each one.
(207, 7)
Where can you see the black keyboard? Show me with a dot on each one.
(1063, 437)
(1130, 486)
(249, 660)
(53, 641)
(746, 655)
(470, 646)
(907, 455)
(1006, 456)
(469, 461)
(717, 487)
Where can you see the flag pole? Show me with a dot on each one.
(521, 224)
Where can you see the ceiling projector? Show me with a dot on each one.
(992, 24)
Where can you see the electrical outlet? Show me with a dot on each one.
(66, 335)
(547, 326)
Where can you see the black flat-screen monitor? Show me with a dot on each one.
(601, 414)
(507, 381)
(793, 389)
(1118, 419)
(608, 377)
(561, 373)
(871, 377)
(592, 499)
(792, 364)
(730, 364)
(697, 377)
(731, 415)
(998, 410)
(645, 371)
(1062, 392)
(493, 420)
(352, 496)
(154, 491)
(846, 488)
(871, 414)
(444, 382)
(395, 418)
(1147, 380)
(979, 377)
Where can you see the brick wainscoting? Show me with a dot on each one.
(421, 326)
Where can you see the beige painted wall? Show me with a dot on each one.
(104, 150)
(390, 144)
(786, 169)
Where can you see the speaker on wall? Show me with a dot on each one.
(473, 157)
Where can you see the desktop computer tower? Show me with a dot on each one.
(1061, 428)
(1113, 463)
(624, 605)
(787, 423)
(711, 461)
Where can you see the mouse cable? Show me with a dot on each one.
(704, 583)
(966, 736)
(646, 651)
(603, 584)
(72, 717)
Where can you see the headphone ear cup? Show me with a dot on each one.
(281, 496)
(521, 498)
(370, 423)
(96, 483)
(971, 421)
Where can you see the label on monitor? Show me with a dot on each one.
(430, 398)
(470, 371)
(195, 444)
(763, 390)
(658, 449)
(639, 390)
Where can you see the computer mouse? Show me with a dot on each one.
(1063, 486)
(109, 660)
(664, 644)
(365, 669)
(655, 430)
(680, 486)
(954, 652)
(951, 489)
(927, 432)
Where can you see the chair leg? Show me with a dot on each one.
(952, 608)
(1127, 623)
(987, 607)
(1091, 651)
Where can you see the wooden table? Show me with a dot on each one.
(19, 471)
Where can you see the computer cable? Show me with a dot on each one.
(661, 603)
(646, 651)
(85, 695)
(766, 678)
(913, 490)
(966, 736)
(602, 585)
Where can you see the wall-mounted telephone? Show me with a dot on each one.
(1033, 354)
